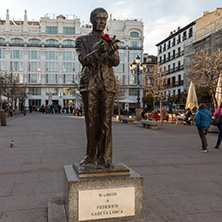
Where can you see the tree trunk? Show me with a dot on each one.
(161, 111)
(215, 101)
(119, 114)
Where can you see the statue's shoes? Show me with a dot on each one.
(108, 164)
(85, 162)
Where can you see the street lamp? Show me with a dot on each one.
(136, 67)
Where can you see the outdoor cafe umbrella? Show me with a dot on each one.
(218, 94)
(191, 97)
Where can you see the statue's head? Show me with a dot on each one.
(98, 18)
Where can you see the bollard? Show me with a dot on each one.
(3, 118)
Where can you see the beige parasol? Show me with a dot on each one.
(192, 97)
(218, 94)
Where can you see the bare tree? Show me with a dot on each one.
(120, 92)
(205, 69)
(21, 94)
(155, 83)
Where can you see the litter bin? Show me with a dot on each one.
(3, 118)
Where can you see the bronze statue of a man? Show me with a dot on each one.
(97, 87)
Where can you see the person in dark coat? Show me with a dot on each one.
(219, 138)
(203, 121)
(97, 87)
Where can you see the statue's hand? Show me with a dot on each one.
(103, 47)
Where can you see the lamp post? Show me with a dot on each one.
(137, 68)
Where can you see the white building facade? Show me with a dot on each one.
(41, 54)
(171, 57)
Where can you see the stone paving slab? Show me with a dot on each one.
(181, 184)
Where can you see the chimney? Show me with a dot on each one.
(205, 13)
(178, 28)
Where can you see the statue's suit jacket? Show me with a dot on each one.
(92, 65)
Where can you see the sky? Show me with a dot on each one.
(160, 17)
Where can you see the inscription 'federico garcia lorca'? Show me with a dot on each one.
(106, 203)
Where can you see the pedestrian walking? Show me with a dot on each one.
(203, 120)
(217, 112)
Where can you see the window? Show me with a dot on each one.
(2, 65)
(51, 91)
(160, 49)
(173, 67)
(69, 43)
(18, 77)
(184, 36)
(178, 40)
(34, 66)
(122, 56)
(68, 92)
(121, 45)
(68, 55)
(51, 78)
(178, 54)
(51, 30)
(34, 42)
(169, 45)
(168, 56)
(16, 66)
(133, 92)
(120, 68)
(174, 54)
(68, 66)
(164, 47)
(69, 30)
(35, 91)
(134, 55)
(2, 41)
(51, 43)
(174, 41)
(34, 78)
(190, 32)
(17, 42)
(51, 55)
(68, 78)
(51, 66)
(2, 53)
(16, 54)
(34, 55)
(168, 68)
(178, 66)
(134, 34)
(134, 44)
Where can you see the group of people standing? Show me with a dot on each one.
(203, 121)
(57, 109)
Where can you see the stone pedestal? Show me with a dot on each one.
(3, 118)
(113, 195)
(138, 114)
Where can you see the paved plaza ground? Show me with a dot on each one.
(181, 184)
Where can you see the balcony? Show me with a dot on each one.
(68, 46)
(52, 45)
(17, 44)
(135, 48)
(34, 45)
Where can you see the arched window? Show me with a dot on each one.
(134, 34)
(17, 42)
(2, 41)
(34, 42)
(51, 43)
(69, 44)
